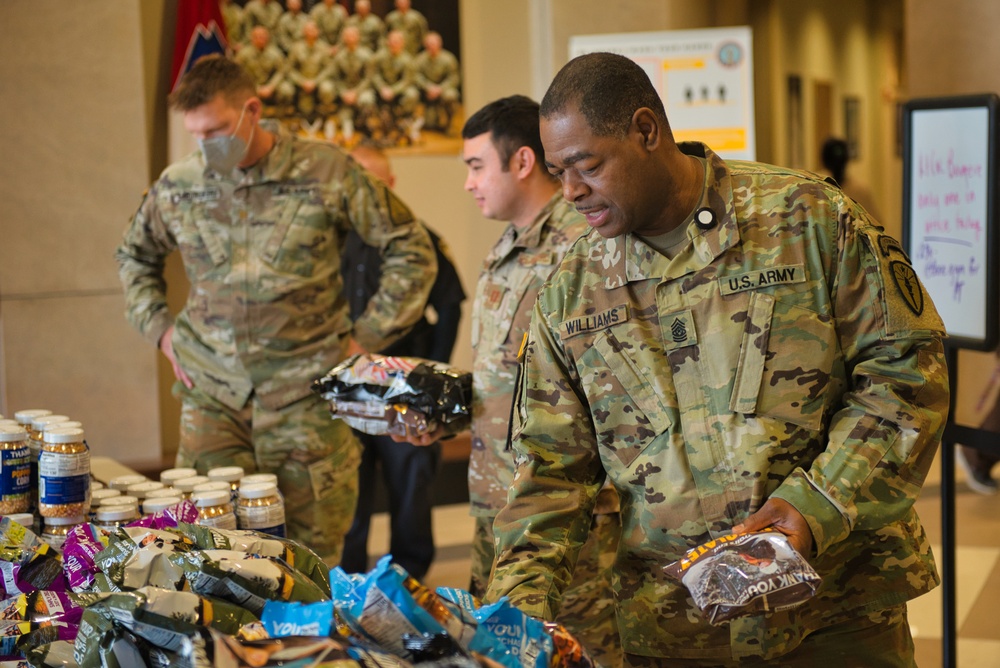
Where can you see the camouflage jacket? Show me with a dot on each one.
(390, 71)
(412, 24)
(789, 351)
(310, 62)
(372, 30)
(330, 20)
(512, 273)
(440, 70)
(265, 312)
(267, 66)
(350, 69)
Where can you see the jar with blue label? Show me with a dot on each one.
(261, 508)
(15, 471)
(64, 474)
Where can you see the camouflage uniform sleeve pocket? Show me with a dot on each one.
(785, 363)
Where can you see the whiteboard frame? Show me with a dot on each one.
(991, 273)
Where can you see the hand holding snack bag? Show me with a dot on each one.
(746, 574)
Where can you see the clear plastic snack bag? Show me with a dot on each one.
(379, 394)
(740, 575)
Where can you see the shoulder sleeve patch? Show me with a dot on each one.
(399, 213)
(908, 308)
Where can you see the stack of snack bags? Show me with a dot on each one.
(376, 394)
(165, 591)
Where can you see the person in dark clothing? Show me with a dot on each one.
(408, 471)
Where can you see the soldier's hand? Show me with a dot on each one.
(782, 516)
(386, 93)
(354, 348)
(265, 91)
(308, 86)
(167, 347)
(433, 92)
(419, 438)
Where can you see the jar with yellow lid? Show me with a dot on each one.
(214, 509)
(64, 474)
(261, 508)
(15, 471)
(55, 529)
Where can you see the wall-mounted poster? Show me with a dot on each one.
(382, 71)
(705, 78)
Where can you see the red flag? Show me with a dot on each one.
(200, 32)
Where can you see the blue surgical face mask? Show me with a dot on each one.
(223, 153)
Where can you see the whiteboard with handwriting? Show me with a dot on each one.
(949, 226)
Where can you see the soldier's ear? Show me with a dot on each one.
(523, 162)
(254, 108)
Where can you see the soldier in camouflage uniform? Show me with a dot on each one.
(502, 151)
(438, 79)
(733, 346)
(262, 13)
(330, 16)
(259, 217)
(354, 90)
(393, 81)
(232, 16)
(371, 27)
(310, 68)
(288, 31)
(410, 22)
(268, 68)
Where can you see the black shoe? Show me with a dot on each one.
(978, 480)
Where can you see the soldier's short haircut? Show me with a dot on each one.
(512, 123)
(607, 89)
(208, 77)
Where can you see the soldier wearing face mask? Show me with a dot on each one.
(259, 217)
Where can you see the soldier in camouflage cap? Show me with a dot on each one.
(732, 346)
(259, 217)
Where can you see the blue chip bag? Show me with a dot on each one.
(282, 619)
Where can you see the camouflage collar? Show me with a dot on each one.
(629, 258)
(278, 162)
(531, 237)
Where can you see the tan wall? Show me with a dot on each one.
(952, 49)
(76, 155)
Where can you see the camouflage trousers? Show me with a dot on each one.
(588, 604)
(315, 458)
(877, 640)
